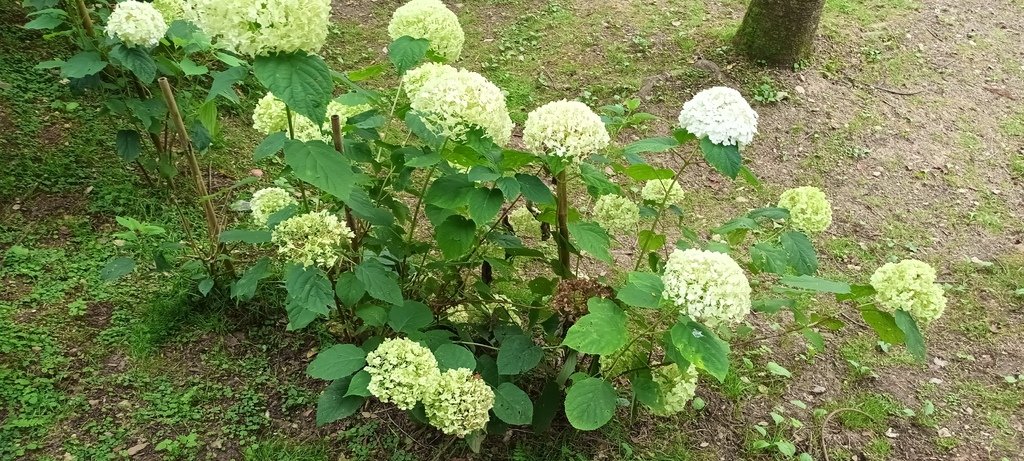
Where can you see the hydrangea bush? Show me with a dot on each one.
(470, 279)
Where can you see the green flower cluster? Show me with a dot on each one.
(707, 285)
(617, 214)
(430, 20)
(401, 372)
(263, 27)
(268, 201)
(656, 190)
(909, 285)
(311, 239)
(454, 101)
(458, 402)
(675, 388)
(809, 209)
(566, 129)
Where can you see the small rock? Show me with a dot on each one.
(935, 381)
(818, 390)
(704, 444)
(891, 433)
(136, 449)
(943, 432)
(17, 206)
(800, 90)
(876, 173)
(939, 362)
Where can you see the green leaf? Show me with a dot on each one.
(535, 190)
(360, 385)
(363, 208)
(725, 159)
(484, 205)
(597, 182)
(83, 65)
(245, 235)
(337, 362)
(591, 238)
(547, 407)
(46, 19)
(778, 370)
(128, 145)
(191, 69)
(651, 145)
(452, 356)
(205, 286)
(884, 325)
(117, 268)
(136, 60)
(590, 404)
(372, 315)
(335, 403)
(309, 295)
(600, 332)
(320, 165)
(914, 340)
(650, 241)
(645, 172)
(767, 257)
(857, 291)
(379, 282)
(773, 213)
(245, 287)
(646, 390)
(786, 448)
(771, 306)
(270, 145)
(802, 257)
(449, 191)
(224, 82)
(808, 282)
(407, 52)
(301, 80)
(512, 405)
(643, 289)
(518, 354)
(455, 236)
(349, 289)
(410, 317)
(699, 346)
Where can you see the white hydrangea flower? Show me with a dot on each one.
(343, 111)
(432, 20)
(708, 286)
(617, 214)
(271, 116)
(172, 10)
(268, 201)
(675, 387)
(721, 114)
(136, 24)
(524, 223)
(454, 102)
(909, 285)
(263, 27)
(312, 238)
(458, 402)
(567, 129)
(415, 78)
(809, 209)
(401, 372)
(663, 190)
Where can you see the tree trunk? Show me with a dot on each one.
(779, 32)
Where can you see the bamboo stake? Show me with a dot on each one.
(562, 194)
(340, 147)
(83, 12)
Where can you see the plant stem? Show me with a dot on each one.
(642, 242)
(562, 197)
(339, 146)
(83, 13)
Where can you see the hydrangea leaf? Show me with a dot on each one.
(309, 295)
(535, 190)
(808, 282)
(410, 316)
(725, 159)
(117, 268)
(601, 332)
(914, 340)
(245, 287)
(518, 354)
(449, 191)
(592, 239)
(128, 145)
(701, 347)
(337, 362)
(136, 60)
(303, 81)
(512, 405)
(451, 356)
(379, 282)
(83, 65)
(349, 289)
(484, 204)
(406, 52)
(590, 404)
(802, 257)
(643, 289)
(335, 404)
(455, 236)
(884, 325)
(320, 165)
(652, 145)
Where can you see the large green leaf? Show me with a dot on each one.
(802, 257)
(643, 289)
(725, 159)
(309, 295)
(590, 404)
(651, 145)
(335, 403)
(349, 289)
(518, 354)
(410, 317)
(646, 390)
(701, 347)
(449, 191)
(128, 145)
(320, 165)
(591, 238)
(484, 205)
(223, 83)
(455, 236)
(337, 362)
(303, 81)
(512, 405)
(601, 332)
(452, 356)
(914, 340)
(535, 190)
(884, 325)
(245, 287)
(597, 182)
(136, 60)
(270, 145)
(767, 257)
(379, 282)
(407, 52)
(83, 65)
(117, 268)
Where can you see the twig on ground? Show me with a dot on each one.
(824, 427)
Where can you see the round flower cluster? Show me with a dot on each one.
(721, 114)
(458, 402)
(663, 190)
(172, 10)
(414, 79)
(808, 207)
(567, 129)
(454, 101)
(617, 214)
(909, 285)
(271, 116)
(312, 238)
(263, 27)
(136, 24)
(524, 223)
(676, 388)
(266, 202)
(402, 372)
(431, 20)
(707, 285)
